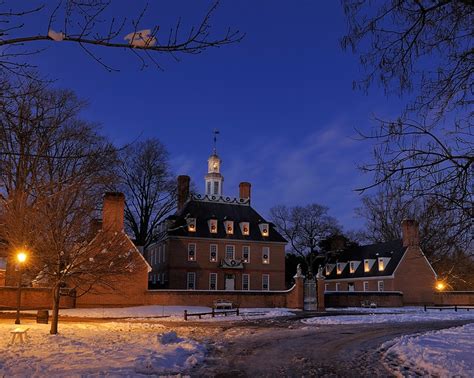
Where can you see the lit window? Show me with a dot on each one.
(245, 228)
(245, 282)
(264, 229)
(380, 285)
(366, 266)
(266, 255)
(230, 252)
(191, 282)
(212, 281)
(340, 267)
(213, 252)
(213, 226)
(381, 264)
(191, 252)
(351, 267)
(246, 254)
(191, 224)
(265, 282)
(329, 268)
(366, 285)
(229, 227)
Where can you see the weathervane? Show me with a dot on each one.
(215, 132)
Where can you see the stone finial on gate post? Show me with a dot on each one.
(320, 287)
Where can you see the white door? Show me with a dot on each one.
(229, 282)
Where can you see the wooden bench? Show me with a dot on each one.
(223, 304)
(213, 313)
(19, 333)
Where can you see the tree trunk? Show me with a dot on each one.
(55, 317)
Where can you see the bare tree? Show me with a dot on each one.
(150, 189)
(444, 239)
(95, 24)
(305, 228)
(422, 49)
(54, 168)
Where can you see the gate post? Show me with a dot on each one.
(299, 288)
(320, 287)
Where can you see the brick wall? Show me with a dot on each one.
(461, 298)
(177, 264)
(354, 299)
(31, 298)
(415, 278)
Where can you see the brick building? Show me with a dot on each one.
(398, 265)
(216, 242)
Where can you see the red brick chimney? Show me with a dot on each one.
(244, 190)
(410, 233)
(113, 212)
(183, 190)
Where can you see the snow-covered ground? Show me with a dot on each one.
(445, 353)
(390, 315)
(112, 349)
(171, 313)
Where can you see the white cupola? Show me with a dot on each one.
(214, 179)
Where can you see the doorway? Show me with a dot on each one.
(230, 282)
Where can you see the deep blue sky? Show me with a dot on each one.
(282, 100)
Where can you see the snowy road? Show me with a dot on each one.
(289, 348)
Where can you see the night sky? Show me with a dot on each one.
(282, 100)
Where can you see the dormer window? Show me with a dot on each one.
(245, 228)
(264, 229)
(191, 224)
(329, 268)
(213, 226)
(368, 263)
(382, 263)
(353, 265)
(340, 267)
(229, 227)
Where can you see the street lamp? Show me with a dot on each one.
(20, 258)
(440, 286)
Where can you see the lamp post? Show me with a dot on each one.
(20, 258)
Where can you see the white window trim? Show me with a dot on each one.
(195, 252)
(326, 287)
(233, 253)
(248, 281)
(269, 256)
(364, 283)
(378, 286)
(210, 276)
(210, 252)
(193, 275)
(268, 282)
(338, 286)
(248, 260)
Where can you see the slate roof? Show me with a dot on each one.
(205, 210)
(392, 249)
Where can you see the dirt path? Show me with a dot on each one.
(289, 348)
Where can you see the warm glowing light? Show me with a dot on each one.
(440, 286)
(21, 257)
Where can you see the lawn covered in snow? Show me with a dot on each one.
(390, 315)
(172, 313)
(113, 349)
(445, 353)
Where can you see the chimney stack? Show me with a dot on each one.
(244, 190)
(113, 212)
(410, 233)
(183, 190)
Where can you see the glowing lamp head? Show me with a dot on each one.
(21, 257)
(440, 286)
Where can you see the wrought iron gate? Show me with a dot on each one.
(310, 301)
